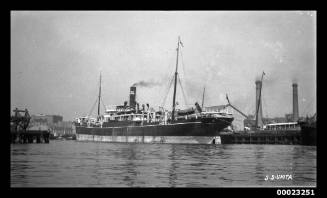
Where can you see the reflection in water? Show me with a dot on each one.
(97, 173)
(72, 163)
(173, 167)
(19, 167)
(131, 173)
(259, 168)
(301, 157)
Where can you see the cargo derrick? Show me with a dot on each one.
(229, 104)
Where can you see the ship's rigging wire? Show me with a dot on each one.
(168, 87)
(179, 80)
(167, 91)
(92, 107)
(96, 101)
(182, 62)
(184, 74)
(306, 109)
(104, 106)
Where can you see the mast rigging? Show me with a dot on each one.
(99, 98)
(175, 83)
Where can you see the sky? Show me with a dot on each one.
(57, 58)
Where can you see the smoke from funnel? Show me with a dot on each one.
(143, 83)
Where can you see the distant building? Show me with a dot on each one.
(54, 123)
(251, 121)
(46, 119)
(38, 119)
(54, 119)
(64, 127)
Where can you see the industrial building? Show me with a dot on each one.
(46, 119)
(250, 121)
(54, 123)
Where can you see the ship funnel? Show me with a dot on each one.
(295, 103)
(258, 103)
(132, 96)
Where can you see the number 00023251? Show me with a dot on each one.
(295, 192)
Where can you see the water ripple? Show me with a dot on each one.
(89, 164)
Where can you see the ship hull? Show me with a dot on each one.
(182, 133)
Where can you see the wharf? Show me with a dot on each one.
(30, 136)
(19, 132)
(285, 137)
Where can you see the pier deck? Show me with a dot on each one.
(30, 136)
(265, 137)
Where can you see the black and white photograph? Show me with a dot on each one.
(163, 99)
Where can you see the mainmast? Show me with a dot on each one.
(99, 98)
(175, 83)
(256, 117)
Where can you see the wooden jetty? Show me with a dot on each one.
(19, 132)
(30, 136)
(300, 133)
(263, 137)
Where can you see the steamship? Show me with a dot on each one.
(130, 123)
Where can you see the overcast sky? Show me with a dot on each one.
(57, 57)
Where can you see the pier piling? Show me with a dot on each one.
(29, 137)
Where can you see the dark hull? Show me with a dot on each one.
(188, 132)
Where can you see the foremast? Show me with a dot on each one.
(99, 97)
(175, 82)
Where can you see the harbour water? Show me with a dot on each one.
(89, 164)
